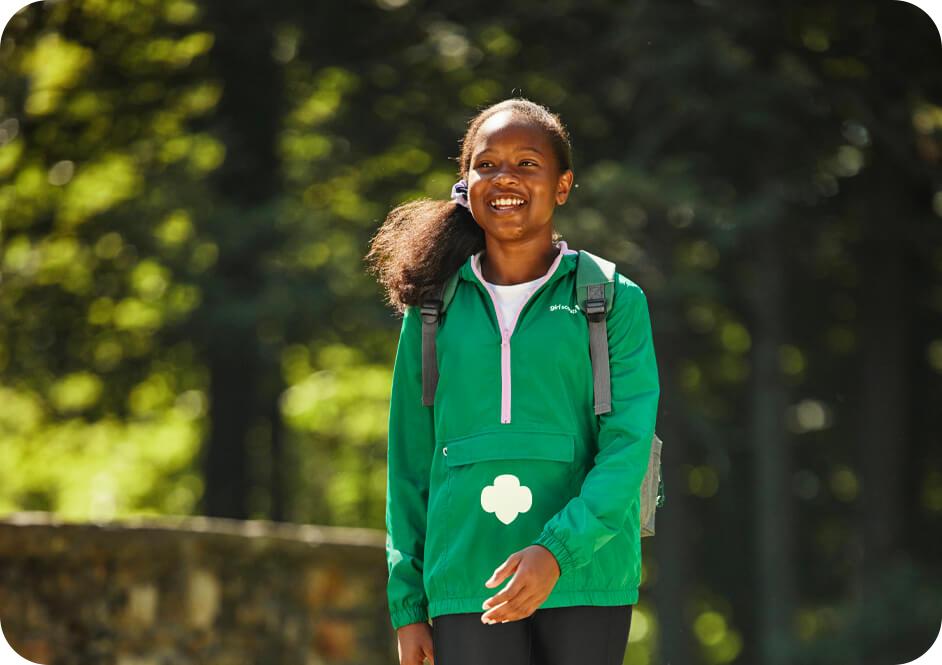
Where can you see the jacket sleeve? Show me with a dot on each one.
(600, 510)
(411, 444)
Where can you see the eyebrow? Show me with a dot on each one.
(526, 147)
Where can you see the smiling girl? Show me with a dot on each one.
(509, 474)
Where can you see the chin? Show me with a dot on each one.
(511, 229)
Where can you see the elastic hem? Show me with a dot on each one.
(407, 615)
(564, 557)
(561, 599)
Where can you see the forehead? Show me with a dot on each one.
(504, 131)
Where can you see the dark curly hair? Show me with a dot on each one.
(422, 242)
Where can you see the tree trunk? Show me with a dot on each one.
(884, 399)
(672, 543)
(774, 510)
(248, 116)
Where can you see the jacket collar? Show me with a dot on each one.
(564, 263)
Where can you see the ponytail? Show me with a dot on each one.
(419, 246)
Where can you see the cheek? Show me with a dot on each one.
(544, 196)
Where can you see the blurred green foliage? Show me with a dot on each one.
(175, 235)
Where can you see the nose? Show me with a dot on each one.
(505, 174)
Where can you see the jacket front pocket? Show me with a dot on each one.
(502, 488)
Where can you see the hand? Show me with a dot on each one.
(415, 644)
(536, 573)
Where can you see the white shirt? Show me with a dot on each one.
(509, 297)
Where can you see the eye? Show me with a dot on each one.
(485, 162)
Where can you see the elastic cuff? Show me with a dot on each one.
(558, 549)
(407, 615)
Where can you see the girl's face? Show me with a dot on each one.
(512, 162)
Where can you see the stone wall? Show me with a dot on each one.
(193, 590)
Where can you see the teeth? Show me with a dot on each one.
(499, 203)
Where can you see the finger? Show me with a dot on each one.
(504, 570)
(495, 613)
(430, 654)
(512, 607)
(503, 616)
(515, 587)
(501, 573)
(520, 608)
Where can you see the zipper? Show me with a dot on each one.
(506, 332)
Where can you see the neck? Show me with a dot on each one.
(524, 263)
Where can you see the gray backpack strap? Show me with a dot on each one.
(595, 287)
(433, 306)
(598, 348)
(431, 310)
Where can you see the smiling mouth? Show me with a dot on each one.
(506, 203)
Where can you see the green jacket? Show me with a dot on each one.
(512, 454)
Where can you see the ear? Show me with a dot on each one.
(563, 185)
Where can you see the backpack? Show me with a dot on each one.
(595, 286)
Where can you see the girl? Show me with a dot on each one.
(509, 474)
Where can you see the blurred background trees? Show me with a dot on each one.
(186, 326)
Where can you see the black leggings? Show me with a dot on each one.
(578, 635)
